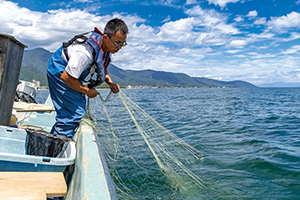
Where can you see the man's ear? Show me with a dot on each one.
(104, 39)
(105, 36)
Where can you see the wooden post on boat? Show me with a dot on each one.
(11, 54)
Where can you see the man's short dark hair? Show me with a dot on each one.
(114, 25)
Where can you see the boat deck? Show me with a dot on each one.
(32, 185)
(31, 107)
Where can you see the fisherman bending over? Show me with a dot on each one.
(82, 60)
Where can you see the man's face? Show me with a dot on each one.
(116, 42)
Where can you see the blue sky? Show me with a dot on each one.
(252, 40)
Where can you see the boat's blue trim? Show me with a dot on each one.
(91, 178)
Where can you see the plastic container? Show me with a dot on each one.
(14, 153)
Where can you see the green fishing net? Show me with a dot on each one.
(146, 160)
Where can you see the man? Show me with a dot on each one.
(82, 60)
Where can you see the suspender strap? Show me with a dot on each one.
(74, 39)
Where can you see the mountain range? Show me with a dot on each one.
(35, 62)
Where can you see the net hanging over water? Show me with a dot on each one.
(143, 156)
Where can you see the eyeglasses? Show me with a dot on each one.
(118, 44)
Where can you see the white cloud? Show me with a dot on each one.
(179, 31)
(23, 22)
(237, 43)
(167, 2)
(141, 33)
(189, 2)
(284, 23)
(239, 19)
(259, 37)
(158, 57)
(227, 29)
(222, 3)
(212, 26)
(233, 51)
(252, 14)
(50, 29)
(293, 36)
(42, 29)
(211, 20)
(261, 21)
(255, 55)
(292, 50)
(260, 69)
(207, 17)
(83, 1)
(279, 76)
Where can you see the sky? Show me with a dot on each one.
(257, 41)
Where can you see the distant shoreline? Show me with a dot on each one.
(156, 87)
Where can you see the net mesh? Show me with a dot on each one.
(142, 155)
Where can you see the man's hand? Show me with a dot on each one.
(114, 87)
(92, 92)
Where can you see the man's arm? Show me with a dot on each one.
(76, 85)
(113, 86)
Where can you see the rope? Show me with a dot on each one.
(106, 99)
(88, 113)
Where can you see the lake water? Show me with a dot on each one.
(249, 139)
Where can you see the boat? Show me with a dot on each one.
(34, 162)
(81, 159)
(89, 177)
